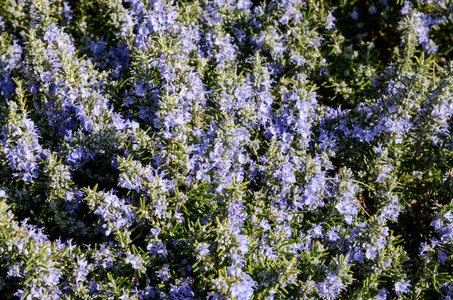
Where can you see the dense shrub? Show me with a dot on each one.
(285, 149)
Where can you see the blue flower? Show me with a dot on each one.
(371, 252)
(331, 287)
(402, 287)
(162, 273)
(157, 248)
(354, 14)
(181, 290)
(133, 260)
(202, 249)
(81, 271)
(242, 289)
(330, 20)
(381, 295)
(21, 145)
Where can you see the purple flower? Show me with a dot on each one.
(157, 248)
(227, 50)
(133, 260)
(371, 252)
(354, 14)
(314, 190)
(406, 8)
(330, 287)
(402, 287)
(447, 289)
(53, 277)
(442, 256)
(82, 270)
(14, 271)
(243, 4)
(424, 248)
(330, 20)
(384, 172)
(67, 11)
(242, 289)
(202, 249)
(265, 224)
(155, 231)
(332, 234)
(163, 273)
(382, 295)
(372, 9)
(316, 230)
(21, 144)
(115, 212)
(181, 290)
(444, 226)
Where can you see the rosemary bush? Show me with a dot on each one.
(227, 149)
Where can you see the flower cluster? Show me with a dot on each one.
(228, 149)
